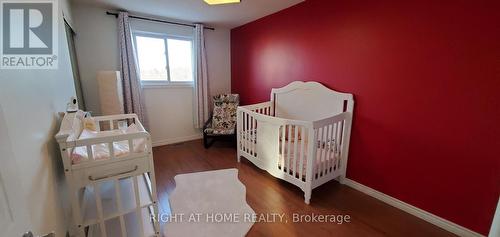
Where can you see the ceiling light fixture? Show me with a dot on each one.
(217, 2)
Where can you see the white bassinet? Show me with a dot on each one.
(301, 135)
(110, 176)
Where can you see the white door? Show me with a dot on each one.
(14, 219)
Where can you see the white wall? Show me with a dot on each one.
(31, 100)
(169, 110)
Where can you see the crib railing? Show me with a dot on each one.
(309, 153)
(289, 137)
(247, 125)
(265, 108)
(131, 139)
(69, 141)
(293, 149)
(111, 122)
(332, 138)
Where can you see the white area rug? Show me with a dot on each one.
(211, 203)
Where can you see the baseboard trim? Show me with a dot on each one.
(176, 140)
(424, 215)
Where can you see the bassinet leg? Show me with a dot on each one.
(307, 196)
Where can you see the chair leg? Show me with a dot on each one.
(205, 141)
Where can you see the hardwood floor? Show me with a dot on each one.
(266, 194)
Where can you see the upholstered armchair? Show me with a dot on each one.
(222, 122)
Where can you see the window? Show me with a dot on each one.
(164, 59)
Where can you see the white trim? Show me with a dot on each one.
(169, 141)
(166, 84)
(424, 215)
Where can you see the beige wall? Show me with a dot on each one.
(31, 100)
(170, 110)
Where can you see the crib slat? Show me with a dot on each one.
(289, 153)
(327, 151)
(138, 205)
(324, 150)
(337, 147)
(331, 149)
(302, 152)
(318, 152)
(245, 132)
(295, 144)
(111, 125)
(282, 146)
(315, 157)
(120, 207)
(252, 133)
(130, 146)
(317, 164)
(317, 146)
(98, 200)
(334, 148)
(255, 138)
(111, 149)
(240, 130)
(90, 154)
(250, 128)
(248, 132)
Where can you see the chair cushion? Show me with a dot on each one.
(216, 131)
(224, 114)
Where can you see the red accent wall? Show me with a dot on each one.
(426, 80)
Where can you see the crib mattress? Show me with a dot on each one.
(102, 151)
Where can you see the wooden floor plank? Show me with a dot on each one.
(266, 194)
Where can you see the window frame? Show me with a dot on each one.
(165, 37)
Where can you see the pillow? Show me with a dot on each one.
(224, 115)
(89, 123)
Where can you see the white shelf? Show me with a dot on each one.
(110, 201)
(131, 221)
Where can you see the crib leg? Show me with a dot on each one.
(342, 179)
(307, 197)
(239, 156)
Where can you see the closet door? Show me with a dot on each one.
(70, 35)
(14, 219)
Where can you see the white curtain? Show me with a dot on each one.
(132, 90)
(201, 91)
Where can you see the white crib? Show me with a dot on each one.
(113, 195)
(304, 123)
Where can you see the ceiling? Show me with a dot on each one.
(230, 15)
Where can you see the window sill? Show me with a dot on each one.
(158, 85)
